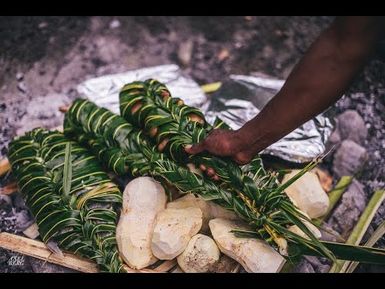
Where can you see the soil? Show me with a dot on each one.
(42, 59)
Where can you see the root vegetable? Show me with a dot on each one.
(200, 254)
(209, 209)
(143, 199)
(308, 194)
(173, 230)
(256, 256)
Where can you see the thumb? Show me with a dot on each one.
(195, 148)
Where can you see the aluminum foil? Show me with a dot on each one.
(243, 97)
(104, 90)
(239, 99)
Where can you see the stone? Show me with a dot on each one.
(173, 230)
(32, 231)
(349, 159)
(5, 201)
(351, 126)
(256, 256)
(23, 220)
(143, 199)
(200, 254)
(209, 209)
(328, 234)
(304, 267)
(185, 52)
(307, 194)
(347, 212)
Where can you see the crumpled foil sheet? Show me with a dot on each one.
(239, 99)
(104, 90)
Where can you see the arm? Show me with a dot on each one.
(316, 82)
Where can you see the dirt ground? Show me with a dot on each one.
(45, 58)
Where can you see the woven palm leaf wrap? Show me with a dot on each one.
(171, 124)
(123, 147)
(83, 222)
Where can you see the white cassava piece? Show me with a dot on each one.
(200, 254)
(307, 194)
(143, 199)
(173, 230)
(256, 256)
(209, 209)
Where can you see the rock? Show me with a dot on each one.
(19, 76)
(304, 267)
(349, 159)
(5, 202)
(143, 199)
(209, 209)
(351, 126)
(317, 265)
(200, 254)
(32, 231)
(329, 234)
(173, 230)
(307, 194)
(18, 201)
(346, 214)
(334, 138)
(185, 52)
(256, 256)
(23, 220)
(114, 24)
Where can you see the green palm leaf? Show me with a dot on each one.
(149, 106)
(71, 198)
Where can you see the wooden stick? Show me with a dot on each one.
(39, 250)
(166, 266)
(64, 108)
(5, 166)
(9, 189)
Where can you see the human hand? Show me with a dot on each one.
(221, 142)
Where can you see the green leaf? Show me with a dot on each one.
(54, 175)
(361, 227)
(377, 235)
(348, 252)
(67, 172)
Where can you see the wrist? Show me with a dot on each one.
(252, 138)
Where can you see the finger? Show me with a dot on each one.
(202, 168)
(215, 178)
(210, 172)
(195, 149)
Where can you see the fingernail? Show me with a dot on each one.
(187, 147)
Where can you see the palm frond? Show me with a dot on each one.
(71, 198)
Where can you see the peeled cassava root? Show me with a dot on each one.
(308, 194)
(255, 255)
(173, 230)
(143, 199)
(200, 255)
(209, 209)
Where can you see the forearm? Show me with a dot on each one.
(318, 80)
